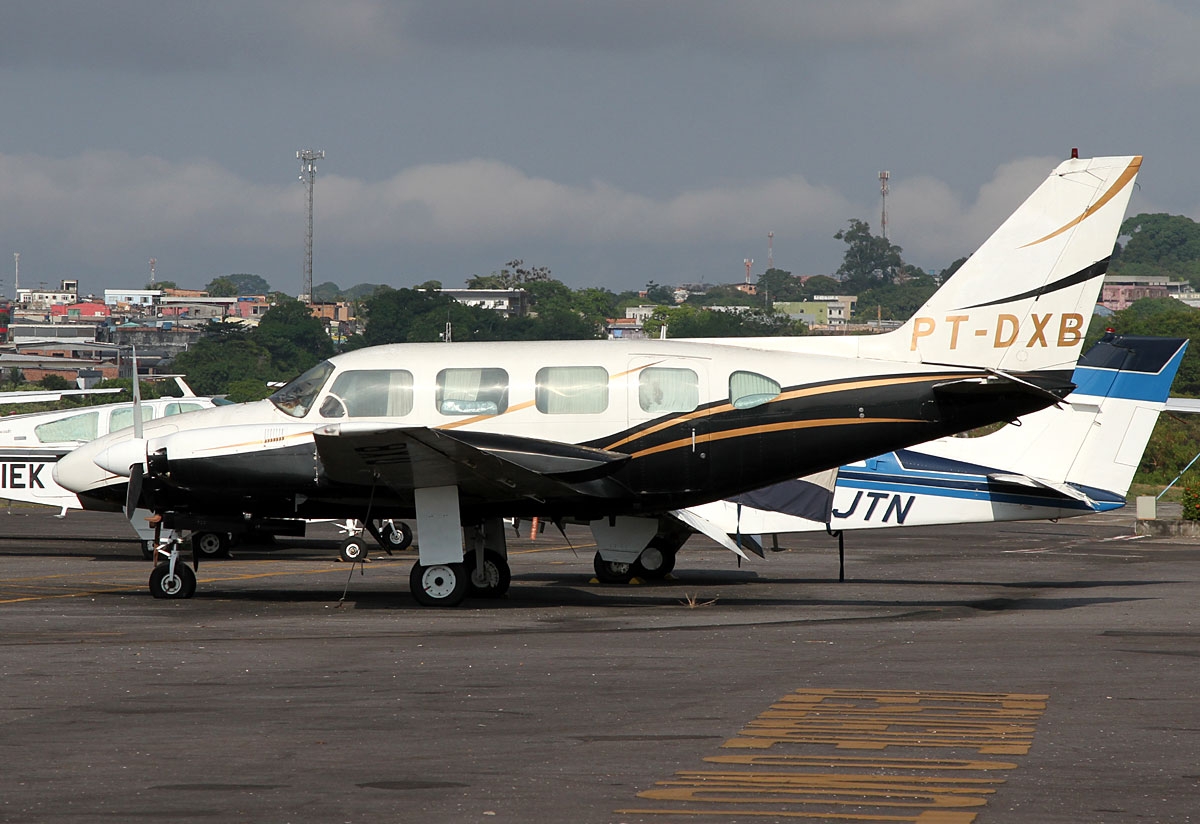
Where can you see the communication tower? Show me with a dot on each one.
(883, 193)
(308, 176)
(770, 251)
(153, 262)
(748, 262)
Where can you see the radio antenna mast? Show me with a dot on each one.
(308, 176)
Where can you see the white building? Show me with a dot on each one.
(131, 297)
(42, 298)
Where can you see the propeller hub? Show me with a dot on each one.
(120, 457)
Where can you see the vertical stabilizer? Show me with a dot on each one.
(1023, 300)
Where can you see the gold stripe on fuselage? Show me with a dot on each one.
(791, 394)
(762, 429)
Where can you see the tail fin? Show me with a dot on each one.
(1096, 443)
(1023, 300)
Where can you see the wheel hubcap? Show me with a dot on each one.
(438, 581)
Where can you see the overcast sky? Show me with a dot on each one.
(615, 142)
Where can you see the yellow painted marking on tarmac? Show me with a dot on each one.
(141, 584)
(786, 758)
(558, 548)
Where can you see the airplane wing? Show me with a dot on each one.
(46, 395)
(483, 466)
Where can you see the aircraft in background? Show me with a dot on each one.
(31, 444)
(622, 436)
(1056, 463)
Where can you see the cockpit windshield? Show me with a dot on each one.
(298, 395)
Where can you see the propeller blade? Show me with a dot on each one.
(137, 399)
(133, 491)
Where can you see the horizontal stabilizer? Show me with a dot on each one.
(1065, 490)
(1050, 388)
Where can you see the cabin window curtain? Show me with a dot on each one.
(572, 390)
(749, 389)
(662, 389)
(374, 393)
(122, 418)
(472, 391)
(82, 427)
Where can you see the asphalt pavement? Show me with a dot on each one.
(1008, 673)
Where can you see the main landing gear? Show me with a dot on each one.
(655, 562)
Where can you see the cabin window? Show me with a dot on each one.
(749, 389)
(180, 408)
(122, 418)
(82, 427)
(472, 391)
(370, 393)
(572, 390)
(298, 395)
(661, 389)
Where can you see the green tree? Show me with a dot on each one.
(295, 339)
(896, 301)
(514, 275)
(659, 294)
(250, 284)
(213, 364)
(776, 284)
(326, 292)
(1160, 240)
(221, 287)
(162, 284)
(53, 381)
(689, 321)
(869, 259)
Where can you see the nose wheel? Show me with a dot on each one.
(353, 550)
(172, 580)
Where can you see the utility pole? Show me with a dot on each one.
(308, 176)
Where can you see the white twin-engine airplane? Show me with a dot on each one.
(1057, 463)
(623, 436)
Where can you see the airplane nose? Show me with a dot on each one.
(78, 472)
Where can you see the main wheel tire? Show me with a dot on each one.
(147, 550)
(397, 536)
(656, 561)
(493, 580)
(165, 585)
(353, 550)
(612, 572)
(211, 544)
(438, 585)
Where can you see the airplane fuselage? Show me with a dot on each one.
(673, 423)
